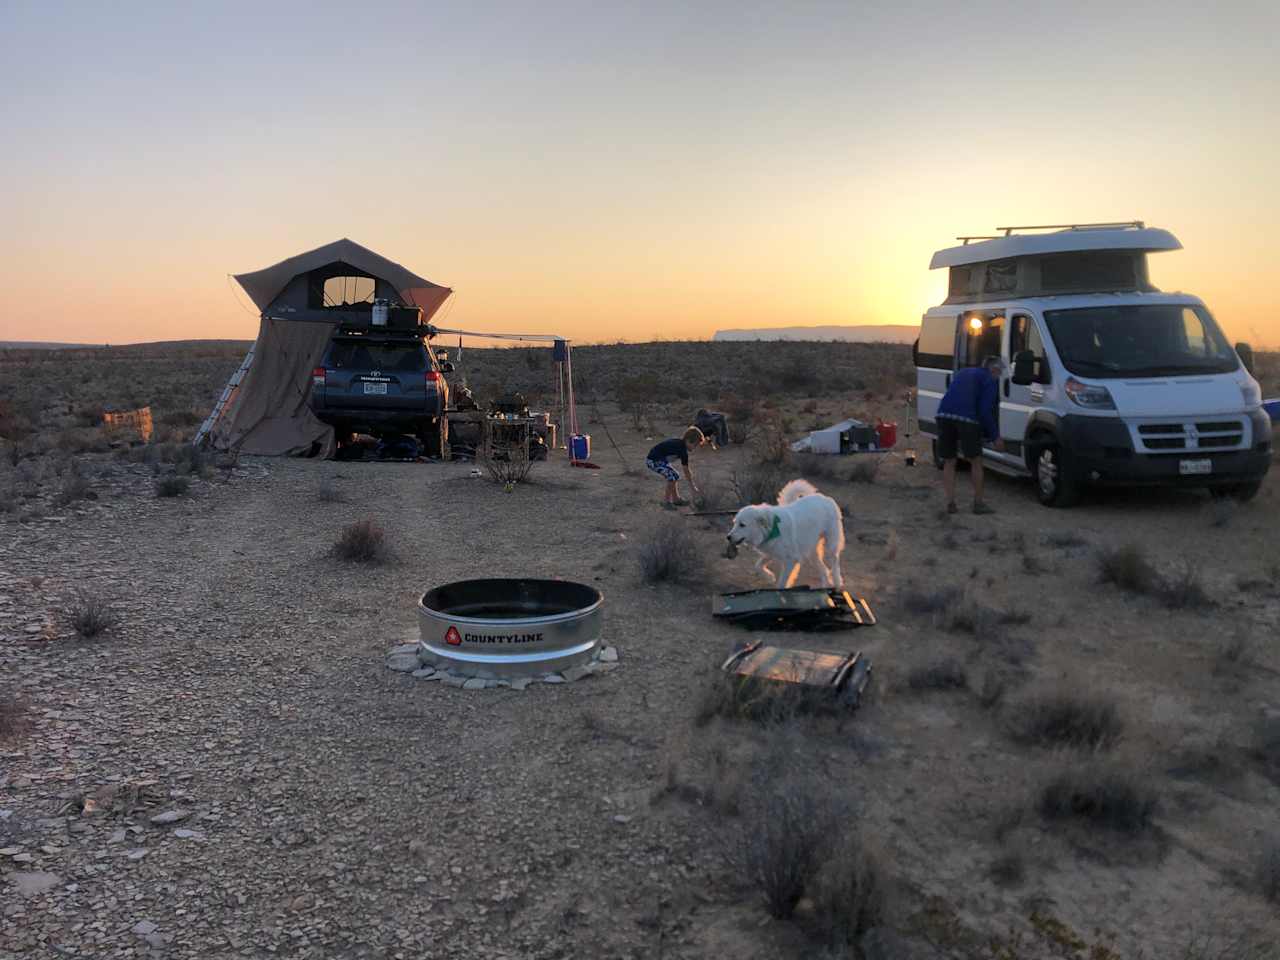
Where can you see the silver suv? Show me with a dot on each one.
(383, 383)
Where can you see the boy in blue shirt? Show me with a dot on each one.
(967, 416)
(659, 459)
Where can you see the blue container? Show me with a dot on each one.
(579, 447)
(1273, 409)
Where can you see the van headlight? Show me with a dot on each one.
(1087, 395)
(1251, 393)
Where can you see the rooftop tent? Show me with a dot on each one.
(264, 408)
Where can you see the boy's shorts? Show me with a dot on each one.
(961, 435)
(663, 469)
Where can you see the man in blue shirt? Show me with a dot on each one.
(966, 417)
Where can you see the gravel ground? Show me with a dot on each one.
(232, 772)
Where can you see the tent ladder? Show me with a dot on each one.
(221, 405)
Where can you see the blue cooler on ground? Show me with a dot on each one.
(580, 447)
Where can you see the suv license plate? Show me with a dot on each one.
(1194, 467)
(382, 388)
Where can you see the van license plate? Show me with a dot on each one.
(382, 388)
(1193, 467)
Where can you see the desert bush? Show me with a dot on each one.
(850, 891)
(329, 492)
(92, 616)
(947, 673)
(1183, 588)
(1105, 795)
(1265, 745)
(782, 849)
(1127, 567)
(865, 469)
(505, 463)
(758, 483)
(969, 615)
(1266, 869)
(1067, 718)
(1008, 869)
(173, 485)
(668, 553)
(15, 717)
(769, 441)
(75, 486)
(362, 542)
(928, 600)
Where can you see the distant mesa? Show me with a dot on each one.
(869, 333)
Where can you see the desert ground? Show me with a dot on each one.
(1070, 746)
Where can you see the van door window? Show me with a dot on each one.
(1025, 335)
(937, 346)
(984, 331)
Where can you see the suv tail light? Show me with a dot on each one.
(317, 376)
(433, 376)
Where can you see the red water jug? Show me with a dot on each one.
(886, 434)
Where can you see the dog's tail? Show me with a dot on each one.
(794, 490)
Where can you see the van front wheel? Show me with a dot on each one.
(1056, 483)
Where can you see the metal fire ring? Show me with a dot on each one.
(504, 628)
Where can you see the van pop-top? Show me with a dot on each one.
(1108, 381)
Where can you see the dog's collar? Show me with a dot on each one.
(774, 532)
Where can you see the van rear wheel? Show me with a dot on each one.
(1056, 482)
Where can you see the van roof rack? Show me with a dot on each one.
(1009, 231)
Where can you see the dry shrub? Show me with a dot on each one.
(668, 553)
(865, 469)
(1184, 589)
(92, 616)
(362, 542)
(15, 717)
(850, 891)
(928, 600)
(1105, 795)
(758, 483)
(1067, 718)
(1127, 567)
(947, 673)
(329, 492)
(505, 463)
(782, 850)
(769, 441)
(75, 486)
(173, 485)
(1266, 869)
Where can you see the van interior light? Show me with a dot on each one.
(975, 324)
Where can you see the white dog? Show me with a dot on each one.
(804, 524)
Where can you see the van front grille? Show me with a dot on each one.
(1202, 435)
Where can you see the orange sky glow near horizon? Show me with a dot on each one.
(606, 175)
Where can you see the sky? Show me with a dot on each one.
(608, 171)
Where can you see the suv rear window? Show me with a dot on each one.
(375, 355)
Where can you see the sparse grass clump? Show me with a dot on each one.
(362, 542)
(1184, 589)
(865, 469)
(850, 891)
(330, 493)
(1266, 869)
(75, 486)
(92, 616)
(173, 485)
(1105, 795)
(1070, 719)
(928, 600)
(668, 553)
(1127, 567)
(1065, 539)
(758, 483)
(945, 674)
(15, 717)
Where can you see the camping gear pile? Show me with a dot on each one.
(848, 437)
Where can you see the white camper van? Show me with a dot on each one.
(1108, 381)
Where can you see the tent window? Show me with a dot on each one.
(1089, 271)
(1002, 276)
(966, 281)
(343, 291)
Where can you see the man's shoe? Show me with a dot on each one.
(981, 509)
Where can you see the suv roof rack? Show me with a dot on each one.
(1009, 231)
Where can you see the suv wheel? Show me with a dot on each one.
(1056, 482)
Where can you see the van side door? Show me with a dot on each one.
(935, 361)
(1018, 402)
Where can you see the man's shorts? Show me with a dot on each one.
(959, 435)
(663, 469)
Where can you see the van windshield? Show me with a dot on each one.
(1140, 340)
